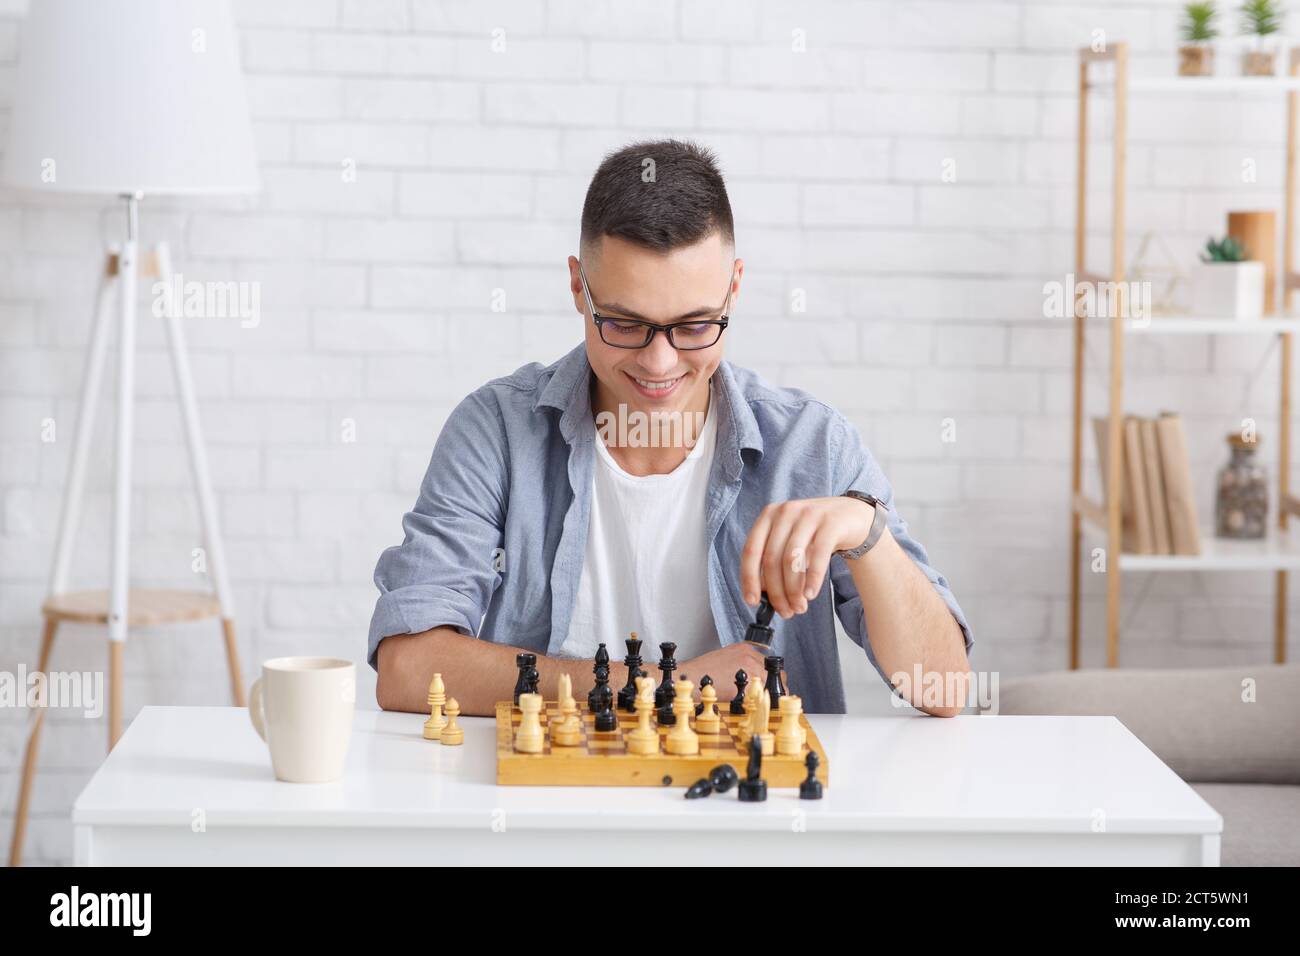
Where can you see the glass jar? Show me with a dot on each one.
(1241, 507)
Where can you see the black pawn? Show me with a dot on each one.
(760, 632)
(775, 689)
(811, 789)
(723, 777)
(738, 702)
(753, 789)
(601, 702)
(700, 788)
(705, 681)
(667, 664)
(602, 683)
(627, 695)
(524, 661)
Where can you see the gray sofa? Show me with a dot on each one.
(1242, 758)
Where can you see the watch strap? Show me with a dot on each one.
(878, 525)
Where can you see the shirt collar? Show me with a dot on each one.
(569, 390)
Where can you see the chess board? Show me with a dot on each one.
(603, 760)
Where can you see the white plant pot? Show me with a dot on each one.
(1228, 290)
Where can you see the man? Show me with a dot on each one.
(548, 521)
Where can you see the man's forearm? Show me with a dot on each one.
(909, 624)
(477, 673)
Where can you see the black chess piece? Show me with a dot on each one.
(705, 681)
(738, 702)
(524, 661)
(602, 681)
(723, 777)
(667, 664)
(627, 695)
(753, 789)
(760, 632)
(601, 702)
(811, 789)
(775, 689)
(700, 788)
(532, 676)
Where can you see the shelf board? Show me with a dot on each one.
(1200, 85)
(1277, 551)
(1195, 325)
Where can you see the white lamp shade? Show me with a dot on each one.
(127, 96)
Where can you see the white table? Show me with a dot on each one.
(193, 785)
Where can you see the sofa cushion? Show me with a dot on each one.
(1199, 722)
(1259, 822)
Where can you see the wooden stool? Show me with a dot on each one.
(91, 607)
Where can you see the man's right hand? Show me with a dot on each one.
(722, 665)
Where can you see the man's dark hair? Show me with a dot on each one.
(661, 194)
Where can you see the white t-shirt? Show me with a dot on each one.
(646, 567)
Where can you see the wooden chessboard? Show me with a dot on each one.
(602, 759)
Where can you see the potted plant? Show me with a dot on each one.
(1261, 20)
(1226, 285)
(1196, 55)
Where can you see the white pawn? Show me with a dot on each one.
(529, 737)
(789, 736)
(709, 721)
(451, 734)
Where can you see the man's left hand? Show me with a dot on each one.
(790, 547)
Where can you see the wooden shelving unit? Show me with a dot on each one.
(1279, 552)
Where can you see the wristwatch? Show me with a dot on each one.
(877, 525)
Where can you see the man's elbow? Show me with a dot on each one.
(388, 684)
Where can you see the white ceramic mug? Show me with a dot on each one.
(302, 707)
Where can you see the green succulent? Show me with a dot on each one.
(1226, 249)
(1261, 17)
(1198, 22)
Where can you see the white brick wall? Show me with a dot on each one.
(923, 300)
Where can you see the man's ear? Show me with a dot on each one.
(735, 280)
(575, 286)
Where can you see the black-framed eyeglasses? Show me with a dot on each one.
(637, 334)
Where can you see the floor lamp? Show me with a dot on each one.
(129, 98)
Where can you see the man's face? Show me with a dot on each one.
(631, 282)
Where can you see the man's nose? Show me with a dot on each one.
(659, 357)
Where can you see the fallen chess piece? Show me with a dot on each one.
(700, 788)
(723, 777)
(451, 734)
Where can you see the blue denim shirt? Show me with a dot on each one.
(495, 543)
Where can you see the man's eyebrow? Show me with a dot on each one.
(617, 309)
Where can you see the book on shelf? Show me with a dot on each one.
(1184, 531)
(1157, 503)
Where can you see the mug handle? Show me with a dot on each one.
(255, 709)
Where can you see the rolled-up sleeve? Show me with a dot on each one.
(857, 468)
(444, 572)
